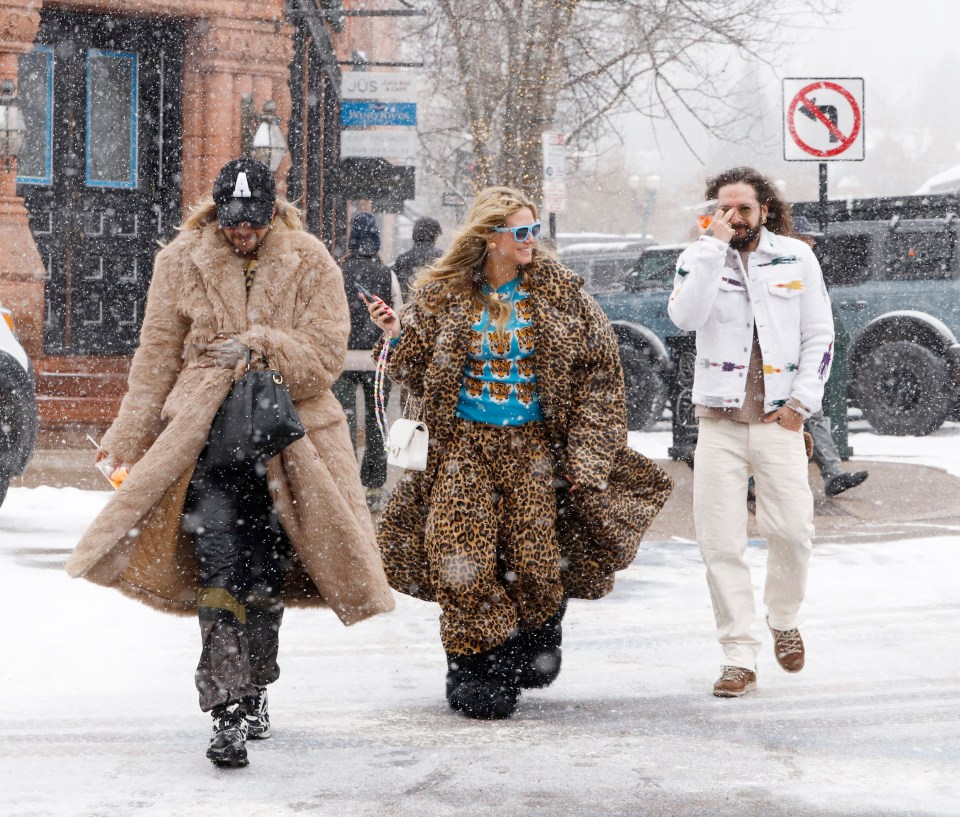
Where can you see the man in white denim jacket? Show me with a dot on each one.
(757, 301)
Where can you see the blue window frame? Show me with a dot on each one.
(112, 119)
(35, 98)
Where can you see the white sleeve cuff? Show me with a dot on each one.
(799, 407)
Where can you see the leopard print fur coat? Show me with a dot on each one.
(581, 392)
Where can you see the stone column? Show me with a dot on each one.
(21, 269)
(229, 57)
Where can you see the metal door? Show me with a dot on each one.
(100, 173)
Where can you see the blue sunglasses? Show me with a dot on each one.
(520, 233)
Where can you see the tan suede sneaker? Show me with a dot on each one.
(788, 648)
(735, 682)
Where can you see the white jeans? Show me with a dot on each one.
(727, 453)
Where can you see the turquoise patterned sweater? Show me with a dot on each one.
(499, 385)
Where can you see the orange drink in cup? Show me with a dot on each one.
(704, 213)
(116, 474)
(119, 475)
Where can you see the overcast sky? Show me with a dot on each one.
(907, 54)
(890, 42)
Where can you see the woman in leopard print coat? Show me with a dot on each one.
(530, 495)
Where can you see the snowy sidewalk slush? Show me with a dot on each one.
(100, 717)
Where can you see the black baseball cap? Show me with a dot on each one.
(244, 190)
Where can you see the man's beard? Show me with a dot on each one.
(743, 242)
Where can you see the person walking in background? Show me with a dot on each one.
(835, 479)
(241, 282)
(522, 392)
(757, 301)
(426, 231)
(363, 266)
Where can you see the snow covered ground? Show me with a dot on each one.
(99, 714)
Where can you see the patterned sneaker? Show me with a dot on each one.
(735, 682)
(788, 648)
(228, 742)
(258, 717)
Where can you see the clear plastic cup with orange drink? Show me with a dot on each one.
(705, 212)
(114, 473)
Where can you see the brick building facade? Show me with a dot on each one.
(132, 107)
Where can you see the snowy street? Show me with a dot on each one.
(235, 231)
(100, 717)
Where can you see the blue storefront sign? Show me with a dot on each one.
(358, 113)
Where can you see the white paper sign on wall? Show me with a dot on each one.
(554, 172)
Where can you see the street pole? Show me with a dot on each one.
(823, 197)
(835, 393)
(553, 228)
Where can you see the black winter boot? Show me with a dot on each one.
(228, 743)
(484, 685)
(540, 654)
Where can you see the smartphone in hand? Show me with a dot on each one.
(371, 298)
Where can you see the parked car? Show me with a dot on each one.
(632, 283)
(18, 404)
(567, 239)
(893, 270)
(605, 266)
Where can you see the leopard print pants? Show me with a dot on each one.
(491, 535)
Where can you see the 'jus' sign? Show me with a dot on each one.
(379, 115)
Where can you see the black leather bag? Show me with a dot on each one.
(256, 421)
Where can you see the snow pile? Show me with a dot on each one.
(946, 182)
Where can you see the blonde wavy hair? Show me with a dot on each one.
(204, 212)
(459, 271)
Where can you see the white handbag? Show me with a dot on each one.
(407, 444)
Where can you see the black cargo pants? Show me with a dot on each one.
(244, 556)
(373, 466)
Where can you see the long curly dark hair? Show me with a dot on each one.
(778, 211)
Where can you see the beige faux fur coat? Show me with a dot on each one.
(296, 316)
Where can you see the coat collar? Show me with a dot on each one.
(773, 246)
(545, 278)
(222, 273)
(552, 281)
(772, 251)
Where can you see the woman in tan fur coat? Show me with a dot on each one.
(242, 275)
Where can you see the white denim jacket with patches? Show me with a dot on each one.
(783, 293)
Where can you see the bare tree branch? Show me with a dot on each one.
(503, 71)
